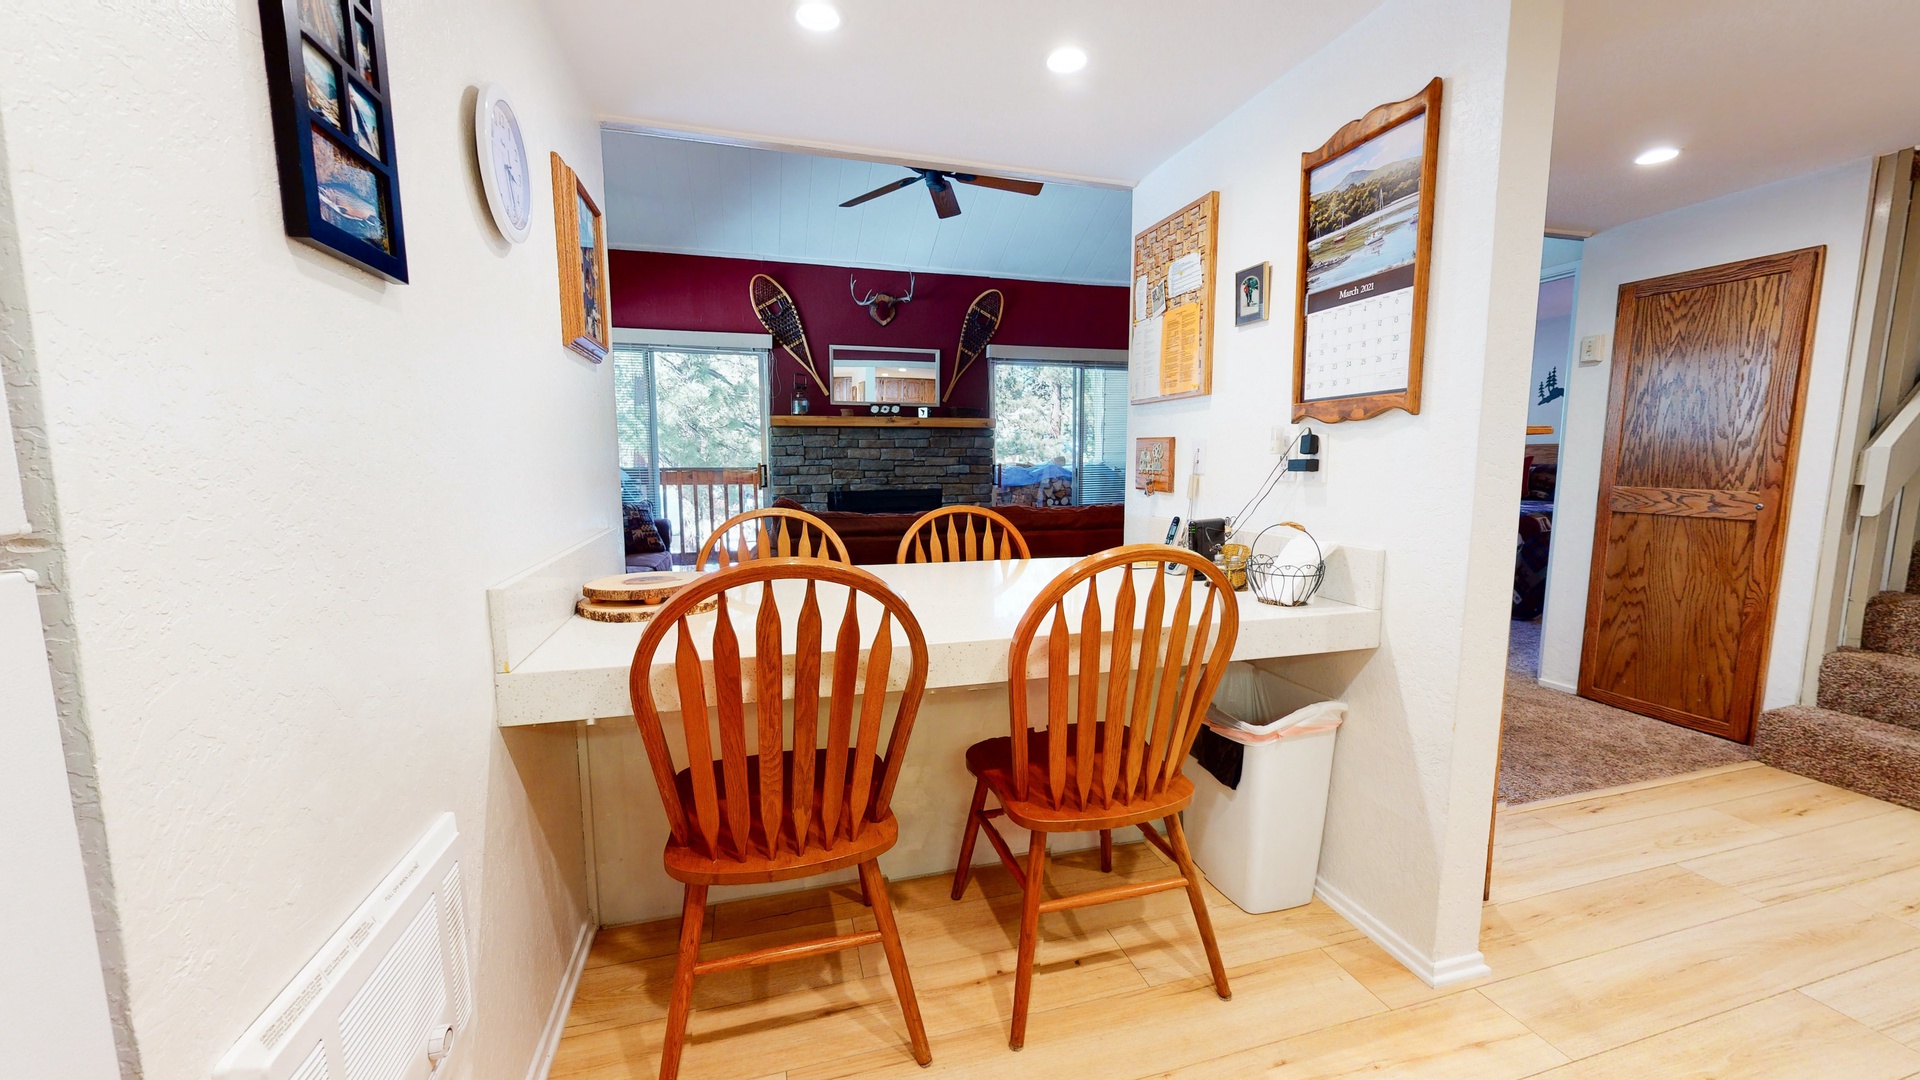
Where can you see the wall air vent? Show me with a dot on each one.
(387, 997)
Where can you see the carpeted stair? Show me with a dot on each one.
(1865, 734)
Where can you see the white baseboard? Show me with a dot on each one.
(1435, 973)
(562, 1004)
(1563, 687)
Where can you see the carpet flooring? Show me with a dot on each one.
(1556, 744)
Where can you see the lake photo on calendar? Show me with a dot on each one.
(1363, 209)
(1370, 246)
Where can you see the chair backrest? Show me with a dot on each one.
(786, 805)
(949, 535)
(773, 532)
(1121, 735)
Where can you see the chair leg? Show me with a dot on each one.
(876, 886)
(1177, 837)
(1106, 851)
(693, 911)
(866, 894)
(1029, 935)
(967, 836)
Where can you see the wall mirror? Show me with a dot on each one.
(871, 374)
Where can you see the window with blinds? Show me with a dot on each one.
(1060, 432)
(1102, 476)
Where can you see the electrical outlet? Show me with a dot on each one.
(1281, 436)
(1593, 348)
(1198, 460)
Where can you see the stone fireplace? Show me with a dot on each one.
(811, 456)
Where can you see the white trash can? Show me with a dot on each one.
(1259, 841)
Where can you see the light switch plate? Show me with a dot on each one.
(1593, 348)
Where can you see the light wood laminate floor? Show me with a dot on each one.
(1741, 922)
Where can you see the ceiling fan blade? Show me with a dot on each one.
(945, 202)
(884, 189)
(1001, 183)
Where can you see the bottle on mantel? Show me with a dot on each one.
(801, 405)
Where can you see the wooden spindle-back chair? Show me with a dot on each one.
(949, 534)
(1122, 712)
(773, 532)
(816, 795)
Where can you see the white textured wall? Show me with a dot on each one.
(1828, 207)
(1413, 775)
(283, 486)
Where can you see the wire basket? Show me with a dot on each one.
(1282, 584)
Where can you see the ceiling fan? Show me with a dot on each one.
(940, 187)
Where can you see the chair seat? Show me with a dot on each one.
(690, 862)
(991, 760)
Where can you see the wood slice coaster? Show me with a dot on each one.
(652, 587)
(604, 611)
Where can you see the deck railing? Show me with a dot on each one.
(698, 500)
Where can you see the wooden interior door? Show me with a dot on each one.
(1703, 420)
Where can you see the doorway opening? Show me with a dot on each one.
(1546, 425)
(1553, 742)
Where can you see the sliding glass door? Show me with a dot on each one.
(1060, 432)
(693, 436)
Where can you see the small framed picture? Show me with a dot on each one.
(1250, 294)
(581, 240)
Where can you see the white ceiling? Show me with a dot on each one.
(947, 83)
(1751, 91)
(710, 199)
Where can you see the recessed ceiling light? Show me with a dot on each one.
(1659, 155)
(817, 17)
(1066, 59)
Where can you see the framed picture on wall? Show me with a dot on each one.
(1366, 238)
(1250, 294)
(580, 238)
(333, 130)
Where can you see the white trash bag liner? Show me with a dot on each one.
(1254, 706)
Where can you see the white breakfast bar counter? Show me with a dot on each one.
(574, 670)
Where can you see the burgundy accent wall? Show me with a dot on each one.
(659, 291)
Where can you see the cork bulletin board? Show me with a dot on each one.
(1171, 350)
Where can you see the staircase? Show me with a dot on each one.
(1865, 734)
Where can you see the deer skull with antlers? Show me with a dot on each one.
(878, 304)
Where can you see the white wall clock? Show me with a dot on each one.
(504, 171)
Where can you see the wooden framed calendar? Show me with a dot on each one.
(1366, 238)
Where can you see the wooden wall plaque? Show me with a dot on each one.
(1153, 464)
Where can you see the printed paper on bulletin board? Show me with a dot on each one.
(1174, 283)
(1180, 352)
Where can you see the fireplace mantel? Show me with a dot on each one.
(817, 420)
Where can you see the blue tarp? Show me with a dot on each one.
(1014, 476)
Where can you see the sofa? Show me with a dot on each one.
(1050, 531)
